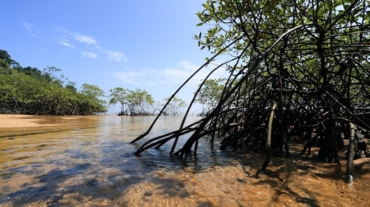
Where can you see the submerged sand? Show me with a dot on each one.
(67, 169)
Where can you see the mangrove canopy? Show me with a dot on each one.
(296, 68)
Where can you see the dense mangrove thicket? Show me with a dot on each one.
(140, 103)
(297, 69)
(31, 91)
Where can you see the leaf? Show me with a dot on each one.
(199, 24)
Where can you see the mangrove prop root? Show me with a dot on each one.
(316, 75)
(268, 142)
(351, 154)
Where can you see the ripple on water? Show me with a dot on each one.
(94, 164)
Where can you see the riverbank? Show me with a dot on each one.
(17, 121)
(22, 121)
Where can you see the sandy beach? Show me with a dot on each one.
(15, 121)
(22, 121)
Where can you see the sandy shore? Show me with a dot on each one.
(15, 121)
(21, 121)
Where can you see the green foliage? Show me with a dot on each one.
(6, 61)
(30, 91)
(210, 93)
(310, 56)
(91, 91)
(92, 94)
(174, 108)
(332, 34)
(117, 94)
(137, 102)
(33, 72)
(71, 86)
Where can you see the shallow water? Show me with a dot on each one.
(90, 162)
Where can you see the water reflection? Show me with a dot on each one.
(90, 161)
(83, 156)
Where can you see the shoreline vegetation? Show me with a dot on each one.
(28, 90)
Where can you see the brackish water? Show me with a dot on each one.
(90, 162)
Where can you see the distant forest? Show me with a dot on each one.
(28, 90)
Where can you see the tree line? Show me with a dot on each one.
(28, 90)
(140, 103)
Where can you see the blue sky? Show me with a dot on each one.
(140, 44)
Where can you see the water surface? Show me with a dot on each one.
(90, 162)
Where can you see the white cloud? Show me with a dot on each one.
(29, 27)
(174, 75)
(69, 37)
(89, 55)
(185, 69)
(85, 39)
(130, 77)
(34, 32)
(66, 43)
(180, 73)
(188, 66)
(115, 56)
